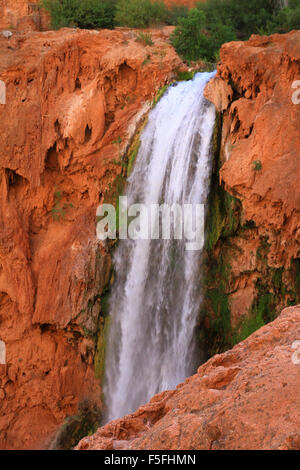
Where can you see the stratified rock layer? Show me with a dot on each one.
(74, 100)
(246, 398)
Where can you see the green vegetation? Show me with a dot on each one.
(110, 13)
(251, 324)
(58, 211)
(101, 347)
(74, 428)
(224, 214)
(159, 95)
(275, 288)
(201, 33)
(182, 76)
(87, 14)
(145, 39)
(140, 13)
(193, 41)
(117, 141)
(257, 165)
(135, 146)
(115, 190)
(218, 336)
(297, 277)
(284, 20)
(263, 250)
(132, 157)
(176, 12)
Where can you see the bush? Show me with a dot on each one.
(140, 13)
(245, 16)
(81, 13)
(175, 12)
(145, 39)
(286, 19)
(206, 27)
(193, 40)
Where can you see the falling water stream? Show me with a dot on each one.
(156, 296)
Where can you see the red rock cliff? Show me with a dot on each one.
(259, 238)
(23, 15)
(74, 100)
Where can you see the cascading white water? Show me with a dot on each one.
(156, 296)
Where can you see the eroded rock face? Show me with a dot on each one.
(246, 398)
(23, 15)
(260, 166)
(74, 100)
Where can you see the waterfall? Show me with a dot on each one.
(156, 296)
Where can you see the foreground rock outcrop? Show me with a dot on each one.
(246, 398)
(74, 100)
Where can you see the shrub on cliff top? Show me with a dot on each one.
(210, 24)
(140, 13)
(81, 13)
(286, 19)
(175, 12)
(193, 40)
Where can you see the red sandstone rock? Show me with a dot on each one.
(23, 15)
(70, 96)
(264, 125)
(246, 398)
(261, 128)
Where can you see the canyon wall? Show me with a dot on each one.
(253, 252)
(74, 100)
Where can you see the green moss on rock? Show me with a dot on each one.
(76, 427)
(100, 354)
(223, 224)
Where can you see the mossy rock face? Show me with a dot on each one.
(100, 354)
(215, 308)
(159, 95)
(224, 214)
(85, 423)
(224, 224)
